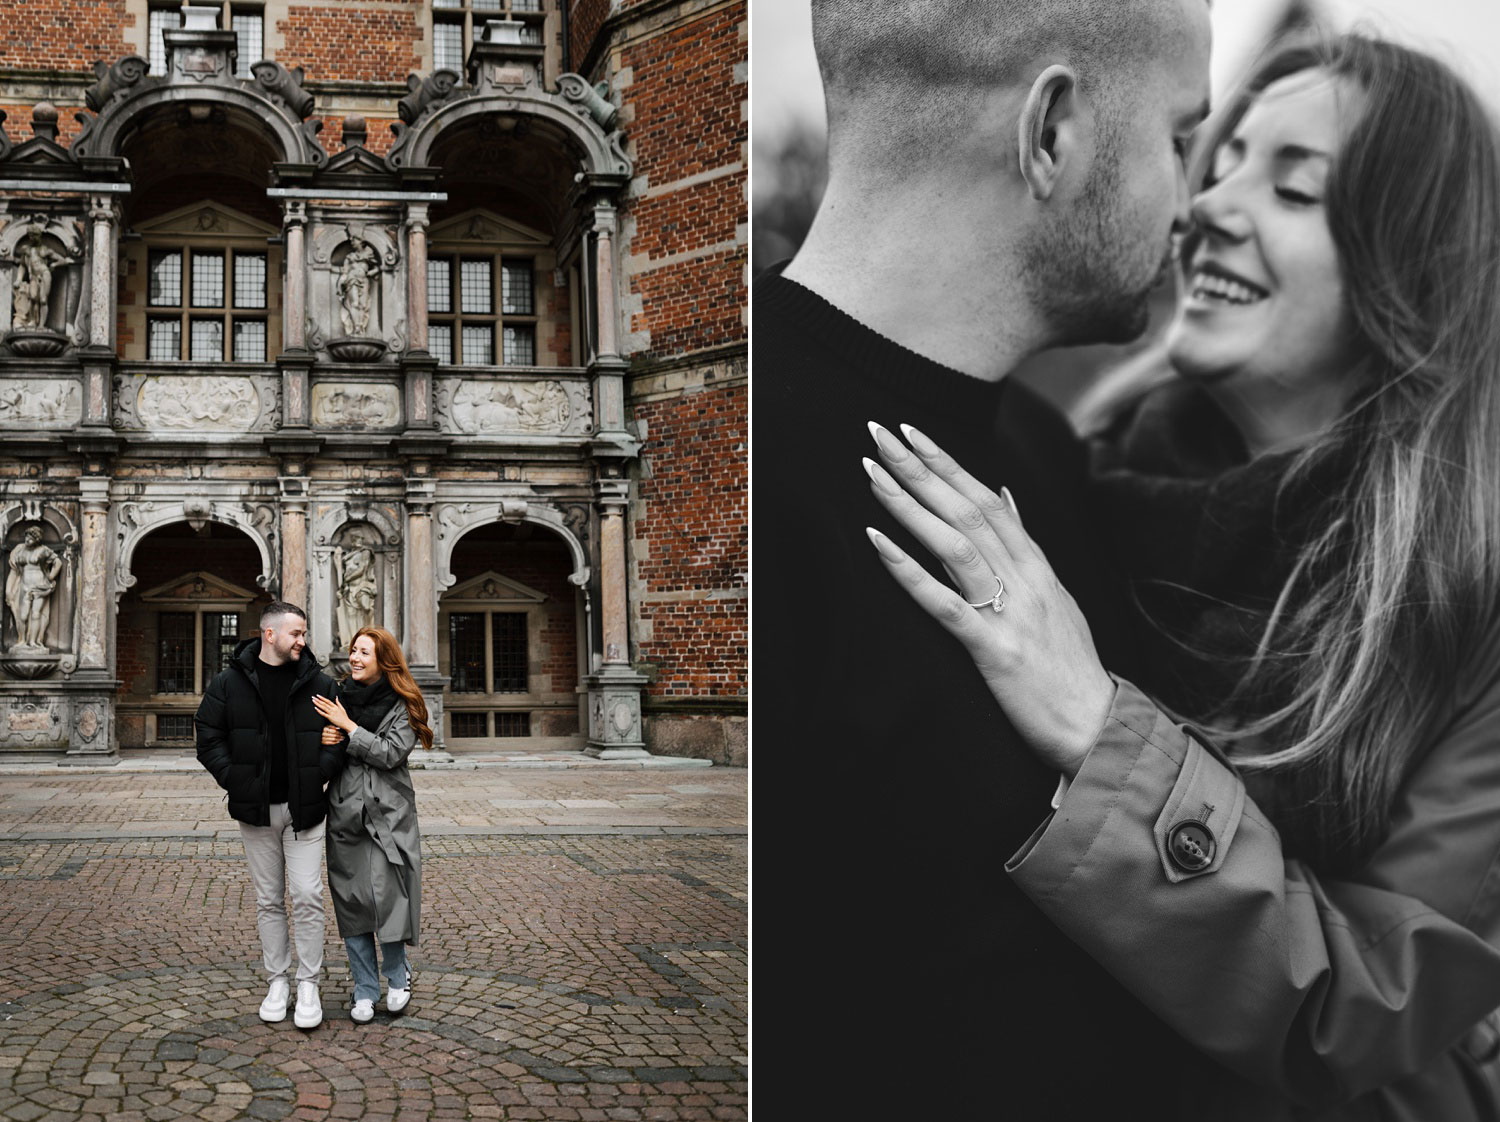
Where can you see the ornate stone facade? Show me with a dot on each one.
(384, 374)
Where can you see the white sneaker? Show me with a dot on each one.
(363, 1011)
(309, 1012)
(395, 1000)
(273, 1008)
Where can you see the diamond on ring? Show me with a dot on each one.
(995, 603)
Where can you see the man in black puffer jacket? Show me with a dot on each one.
(261, 739)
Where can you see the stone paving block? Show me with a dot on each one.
(591, 967)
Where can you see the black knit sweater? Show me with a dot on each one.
(896, 789)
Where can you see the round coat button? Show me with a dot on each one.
(1191, 846)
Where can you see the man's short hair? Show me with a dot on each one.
(912, 68)
(270, 615)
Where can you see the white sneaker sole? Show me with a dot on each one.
(273, 1016)
(307, 1021)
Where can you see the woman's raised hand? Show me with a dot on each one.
(1023, 630)
(333, 712)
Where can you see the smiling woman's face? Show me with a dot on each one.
(1262, 317)
(362, 664)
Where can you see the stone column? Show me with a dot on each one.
(604, 261)
(92, 739)
(612, 499)
(294, 310)
(416, 275)
(421, 577)
(608, 368)
(102, 273)
(421, 612)
(418, 366)
(294, 540)
(615, 691)
(93, 575)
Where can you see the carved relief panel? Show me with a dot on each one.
(46, 403)
(181, 403)
(524, 406)
(356, 405)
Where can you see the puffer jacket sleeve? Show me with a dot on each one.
(389, 749)
(331, 757)
(211, 729)
(1158, 864)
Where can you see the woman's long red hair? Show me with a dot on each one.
(392, 664)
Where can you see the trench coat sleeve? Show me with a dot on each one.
(211, 730)
(1321, 989)
(387, 750)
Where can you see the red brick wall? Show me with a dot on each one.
(353, 43)
(687, 102)
(691, 535)
(378, 138)
(18, 123)
(585, 18)
(62, 34)
(686, 98)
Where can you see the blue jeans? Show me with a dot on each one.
(361, 950)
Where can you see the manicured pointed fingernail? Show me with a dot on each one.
(892, 447)
(879, 477)
(1010, 500)
(917, 440)
(884, 545)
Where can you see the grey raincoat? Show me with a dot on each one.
(374, 846)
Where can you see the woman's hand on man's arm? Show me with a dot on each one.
(1035, 653)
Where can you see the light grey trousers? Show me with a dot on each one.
(278, 859)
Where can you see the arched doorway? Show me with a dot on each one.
(194, 598)
(510, 636)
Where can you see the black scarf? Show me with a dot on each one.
(1206, 538)
(367, 705)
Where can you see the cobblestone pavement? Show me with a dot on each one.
(583, 956)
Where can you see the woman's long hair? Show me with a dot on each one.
(1386, 608)
(392, 664)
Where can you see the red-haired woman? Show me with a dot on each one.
(374, 846)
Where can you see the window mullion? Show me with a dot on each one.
(489, 652)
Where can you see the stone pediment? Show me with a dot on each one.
(480, 225)
(199, 589)
(207, 219)
(490, 589)
(356, 168)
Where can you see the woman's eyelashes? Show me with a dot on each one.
(1297, 196)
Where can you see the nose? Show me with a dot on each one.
(1216, 211)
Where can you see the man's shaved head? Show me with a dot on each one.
(915, 70)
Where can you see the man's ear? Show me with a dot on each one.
(1049, 133)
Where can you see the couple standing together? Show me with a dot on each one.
(308, 762)
(1192, 813)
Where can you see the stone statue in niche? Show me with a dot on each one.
(356, 281)
(354, 574)
(32, 284)
(29, 588)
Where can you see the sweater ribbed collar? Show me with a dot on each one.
(882, 362)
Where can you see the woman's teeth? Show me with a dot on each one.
(1211, 286)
